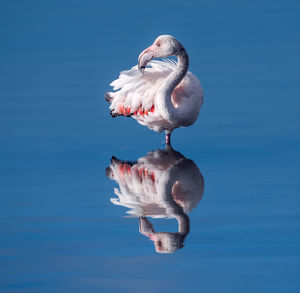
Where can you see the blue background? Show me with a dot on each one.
(59, 230)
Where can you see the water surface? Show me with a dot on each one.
(60, 231)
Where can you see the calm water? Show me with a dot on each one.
(60, 232)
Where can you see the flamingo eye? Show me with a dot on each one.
(158, 44)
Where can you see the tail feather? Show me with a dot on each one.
(108, 97)
(114, 114)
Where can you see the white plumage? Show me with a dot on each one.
(165, 96)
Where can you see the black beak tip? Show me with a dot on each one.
(142, 69)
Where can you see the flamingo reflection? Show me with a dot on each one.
(162, 184)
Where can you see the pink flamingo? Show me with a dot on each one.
(163, 97)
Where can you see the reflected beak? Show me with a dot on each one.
(145, 226)
(145, 57)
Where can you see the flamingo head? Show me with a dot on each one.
(163, 46)
(166, 242)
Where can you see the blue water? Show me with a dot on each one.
(59, 230)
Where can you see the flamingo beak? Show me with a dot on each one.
(145, 226)
(145, 57)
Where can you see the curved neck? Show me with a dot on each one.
(165, 104)
(183, 224)
(178, 74)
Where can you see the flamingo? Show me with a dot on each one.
(162, 184)
(163, 96)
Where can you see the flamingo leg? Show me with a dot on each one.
(168, 138)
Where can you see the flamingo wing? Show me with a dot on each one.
(135, 92)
